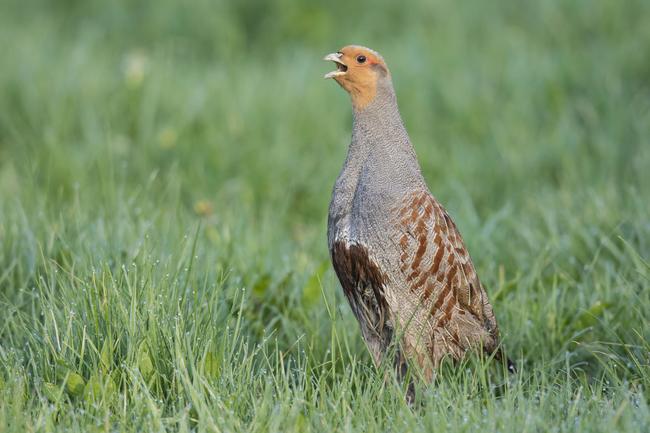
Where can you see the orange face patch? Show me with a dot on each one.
(363, 67)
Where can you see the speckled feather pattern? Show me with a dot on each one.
(397, 253)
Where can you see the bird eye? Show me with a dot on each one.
(361, 59)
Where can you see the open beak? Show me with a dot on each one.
(341, 68)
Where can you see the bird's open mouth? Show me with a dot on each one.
(341, 68)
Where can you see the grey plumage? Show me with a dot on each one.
(398, 255)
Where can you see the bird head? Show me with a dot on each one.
(359, 71)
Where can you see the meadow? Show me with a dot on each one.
(165, 172)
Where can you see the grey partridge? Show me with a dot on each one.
(398, 255)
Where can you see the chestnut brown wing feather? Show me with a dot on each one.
(363, 285)
(439, 270)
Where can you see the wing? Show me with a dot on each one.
(363, 285)
(438, 269)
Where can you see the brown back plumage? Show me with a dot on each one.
(438, 269)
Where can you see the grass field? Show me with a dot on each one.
(165, 170)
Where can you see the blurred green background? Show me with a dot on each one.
(156, 158)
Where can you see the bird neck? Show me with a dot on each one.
(378, 128)
(382, 107)
(380, 141)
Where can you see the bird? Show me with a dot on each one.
(398, 255)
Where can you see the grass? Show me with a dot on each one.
(165, 170)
